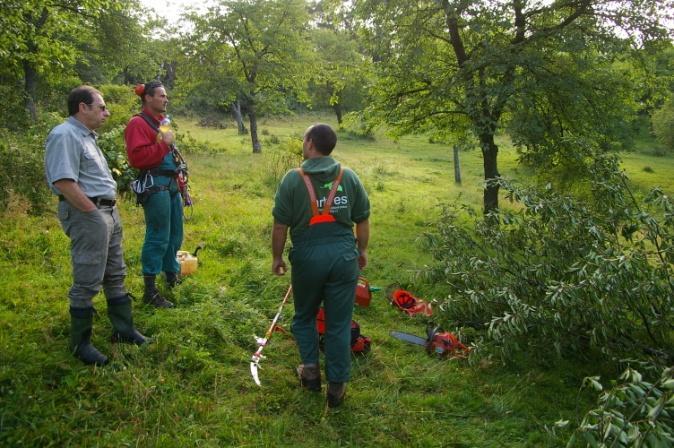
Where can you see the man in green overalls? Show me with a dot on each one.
(320, 202)
(151, 149)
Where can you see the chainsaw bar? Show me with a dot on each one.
(411, 338)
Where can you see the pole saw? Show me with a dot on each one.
(262, 342)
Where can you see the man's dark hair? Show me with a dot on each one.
(81, 94)
(150, 87)
(323, 137)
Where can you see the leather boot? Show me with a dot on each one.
(310, 376)
(152, 296)
(81, 320)
(173, 279)
(336, 394)
(119, 312)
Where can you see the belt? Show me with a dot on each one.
(98, 201)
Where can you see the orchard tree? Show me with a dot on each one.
(264, 44)
(543, 67)
(40, 38)
(339, 78)
(208, 81)
(124, 50)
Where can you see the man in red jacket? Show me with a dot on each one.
(150, 148)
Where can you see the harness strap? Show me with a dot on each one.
(166, 173)
(149, 121)
(325, 216)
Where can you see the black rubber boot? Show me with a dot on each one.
(152, 296)
(119, 312)
(336, 394)
(310, 376)
(173, 279)
(81, 320)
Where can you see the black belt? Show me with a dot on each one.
(98, 201)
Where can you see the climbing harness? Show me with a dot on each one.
(144, 185)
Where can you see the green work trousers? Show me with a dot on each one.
(163, 232)
(325, 269)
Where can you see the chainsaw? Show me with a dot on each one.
(437, 342)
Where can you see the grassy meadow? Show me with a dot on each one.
(192, 388)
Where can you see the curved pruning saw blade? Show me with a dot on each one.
(262, 342)
(254, 366)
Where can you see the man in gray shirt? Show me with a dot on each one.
(78, 173)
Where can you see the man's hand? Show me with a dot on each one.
(168, 137)
(74, 195)
(278, 242)
(362, 238)
(278, 267)
(362, 259)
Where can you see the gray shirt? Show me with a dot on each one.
(72, 153)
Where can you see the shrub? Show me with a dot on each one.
(560, 275)
(114, 148)
(121, 102)
(634, 413)
(280, 159)
(23, 169)
(13, 113)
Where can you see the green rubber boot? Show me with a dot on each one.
(119, 312)
(81, 320)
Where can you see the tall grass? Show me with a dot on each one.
(191, 386)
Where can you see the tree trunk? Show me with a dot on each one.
(252, 117)
(236, 112)
(489, 156)
(30, 85)
(338, 111)
(169, 73)
(457, 165)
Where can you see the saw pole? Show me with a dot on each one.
(262, 342)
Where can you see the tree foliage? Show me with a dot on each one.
(663, 124)
(480, 65)
(261, 48)
(41, 39)
(565, 276)
(340, 76)
(633, 413)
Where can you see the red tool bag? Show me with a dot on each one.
(359, 344)
(406, 302)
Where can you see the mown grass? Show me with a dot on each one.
(192, 387)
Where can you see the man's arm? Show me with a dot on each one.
(74, 195)
(278, 242)
(142, 147)
(363, 238)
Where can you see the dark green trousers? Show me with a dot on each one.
(163, 232)
(325, 269)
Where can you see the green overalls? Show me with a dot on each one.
(324, 261)
(164, 223)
